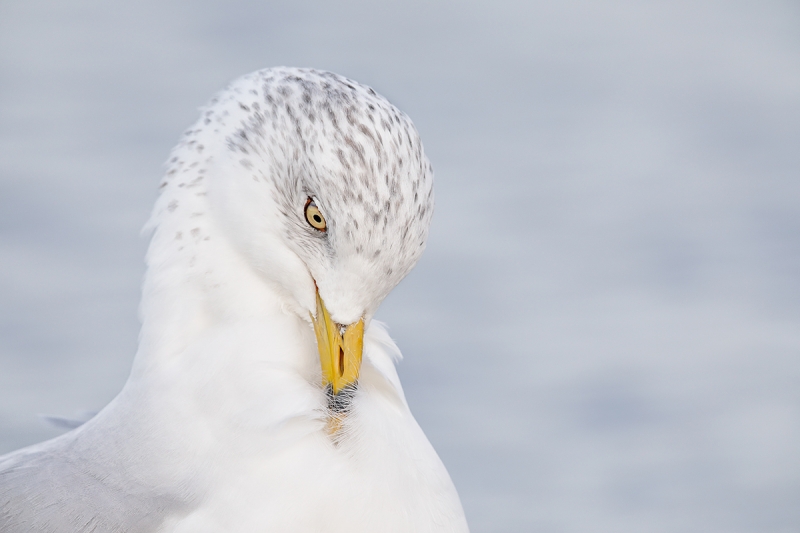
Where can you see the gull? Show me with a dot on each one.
(263, 396)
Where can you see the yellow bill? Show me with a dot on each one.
(340, 348)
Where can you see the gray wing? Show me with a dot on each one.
(46, 488)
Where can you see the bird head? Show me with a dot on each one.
(324, 187)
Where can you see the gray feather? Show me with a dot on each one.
(53, 487)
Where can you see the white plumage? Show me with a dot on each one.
(223, 425)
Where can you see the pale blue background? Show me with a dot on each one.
(603, 334)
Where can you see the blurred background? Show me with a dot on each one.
(603, 334)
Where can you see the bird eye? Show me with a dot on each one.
(314, 217)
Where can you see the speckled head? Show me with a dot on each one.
(278, 137)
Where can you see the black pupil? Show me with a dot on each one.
(317, 219)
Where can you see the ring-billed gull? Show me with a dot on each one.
(288, 212)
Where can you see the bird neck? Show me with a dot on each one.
(215, 351)
(199, 285)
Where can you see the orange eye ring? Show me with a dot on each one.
(314, 216)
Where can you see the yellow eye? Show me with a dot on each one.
(314, 217)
